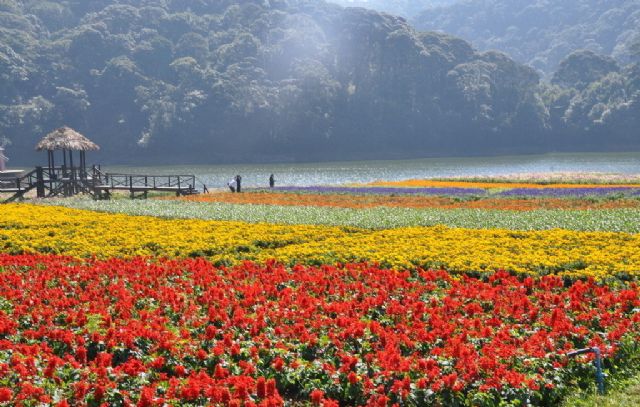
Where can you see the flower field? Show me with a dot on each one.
(81, 233)
(408, 294)
(380, 217)
(164, 332)
(504, 189)
(532, 190)
(431, 183)
(380, 190)
(555, 177)
(402, 201)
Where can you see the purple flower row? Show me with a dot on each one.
(516, 192)
(569, 192)
(386, 191)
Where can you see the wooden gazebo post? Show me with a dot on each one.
(72, 179)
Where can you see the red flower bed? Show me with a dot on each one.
(147, 332)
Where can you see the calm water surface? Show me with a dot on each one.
(304, 174)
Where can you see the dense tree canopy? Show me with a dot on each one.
(266, 80)
(541, 33)
(582, 68)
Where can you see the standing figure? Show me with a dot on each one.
(232, 184)
(238, 180)
(272, 181)
(3, 160)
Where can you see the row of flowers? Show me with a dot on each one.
(555, 177)
(477, 191)
(79, 233)
(184, 332)
(572, 192)
(407, 201)
(378, 190)
(492, 184)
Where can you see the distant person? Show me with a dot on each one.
(232, 184)
(238, 181)
(272, 181)
(3, 160)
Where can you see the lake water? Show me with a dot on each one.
(304, 174)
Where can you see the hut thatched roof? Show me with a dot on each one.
(68, 139)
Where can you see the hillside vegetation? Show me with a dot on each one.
(541, 33)
(279, 80)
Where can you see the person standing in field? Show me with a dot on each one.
(238, 181)
(232, 184)
(272, 181)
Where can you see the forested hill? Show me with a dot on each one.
(541, 33)
(271, 80)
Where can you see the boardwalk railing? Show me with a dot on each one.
(104, 182)
(68, 181)
(20, 185)
(48, 182)
(171, 182)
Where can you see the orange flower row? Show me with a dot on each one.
(370, 201)
(422, 183)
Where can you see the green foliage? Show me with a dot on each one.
(280, 80)
(540, 33)
(622, 383)
(582, 68)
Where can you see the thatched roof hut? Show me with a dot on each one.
(66, 138)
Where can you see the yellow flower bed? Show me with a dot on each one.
(429, 183)
(45, 229)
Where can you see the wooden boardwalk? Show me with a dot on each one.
(105, 183)
(66, 181)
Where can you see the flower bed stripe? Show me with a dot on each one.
(373, 201)
(613, 220)
(79, 233)
(445, 191)
(428, 183)
(571, 192)
(161, 332)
